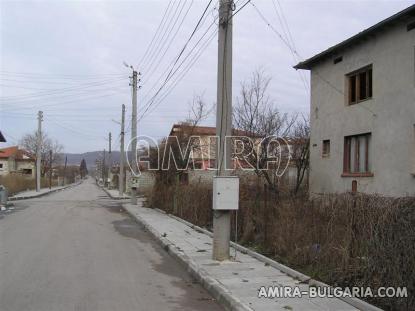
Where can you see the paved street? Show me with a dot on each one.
(77, 250)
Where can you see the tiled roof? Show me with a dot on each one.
(14, 151)
(206, 130)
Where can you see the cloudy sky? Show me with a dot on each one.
(66, 59)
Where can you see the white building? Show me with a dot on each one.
(363, 111)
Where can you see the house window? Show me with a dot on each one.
(326, 148)
(1, 166)
(360, 85)
(198, 165)
(356, 155)
(27, 171)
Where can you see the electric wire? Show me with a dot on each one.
(161, 50)
(140, 63)
(171, 72)
(169, 44)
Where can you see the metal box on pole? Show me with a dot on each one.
(225, 192)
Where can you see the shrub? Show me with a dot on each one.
(344, 240)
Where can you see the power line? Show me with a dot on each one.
(68, 128)
(293, 50)
(77, 100)
(164, 39)
(189, 66)
(171, 73)
(150, 46)
(170, 65)
(179, 78)
(169, 44)
(288, 36)
(57, 91)
(59, 76)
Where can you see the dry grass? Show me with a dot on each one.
(344, 240)
(18, 183)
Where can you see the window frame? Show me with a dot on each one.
(355, 75)
(347, 154)
(27, 171)
(413, 151)
(324, 152)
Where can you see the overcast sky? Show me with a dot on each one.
(66, 58)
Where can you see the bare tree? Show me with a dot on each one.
(198, 110)
(256, 114)
(29, 143)
(300, 143)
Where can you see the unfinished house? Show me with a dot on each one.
(203, 157)
(363, 111)
(16, 161)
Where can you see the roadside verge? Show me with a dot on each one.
(33, 194)
(236, 283)
(114, 194)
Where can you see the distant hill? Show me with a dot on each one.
(90, 157)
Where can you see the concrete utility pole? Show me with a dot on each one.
(121, 176)
(38, 149)
(103, 169)
(222, 218)
(134, 137)
(109, 157)
(64, 171)
(50, 169)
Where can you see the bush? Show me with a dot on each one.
(344, 240)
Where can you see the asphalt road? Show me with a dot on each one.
(77, 250)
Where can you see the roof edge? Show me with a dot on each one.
(308, 63)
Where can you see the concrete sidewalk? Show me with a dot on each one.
(236, 283)
(30, 194)
(115, 194)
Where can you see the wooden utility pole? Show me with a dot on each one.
(222, 218)
(38, 149)
(121, 176)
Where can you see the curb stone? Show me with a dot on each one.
(355, 302)
(220, 293)
(112, 197)
(42, 194)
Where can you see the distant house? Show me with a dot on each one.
(204, 152)
(16, 161)
(363, 111)
(204, 149)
